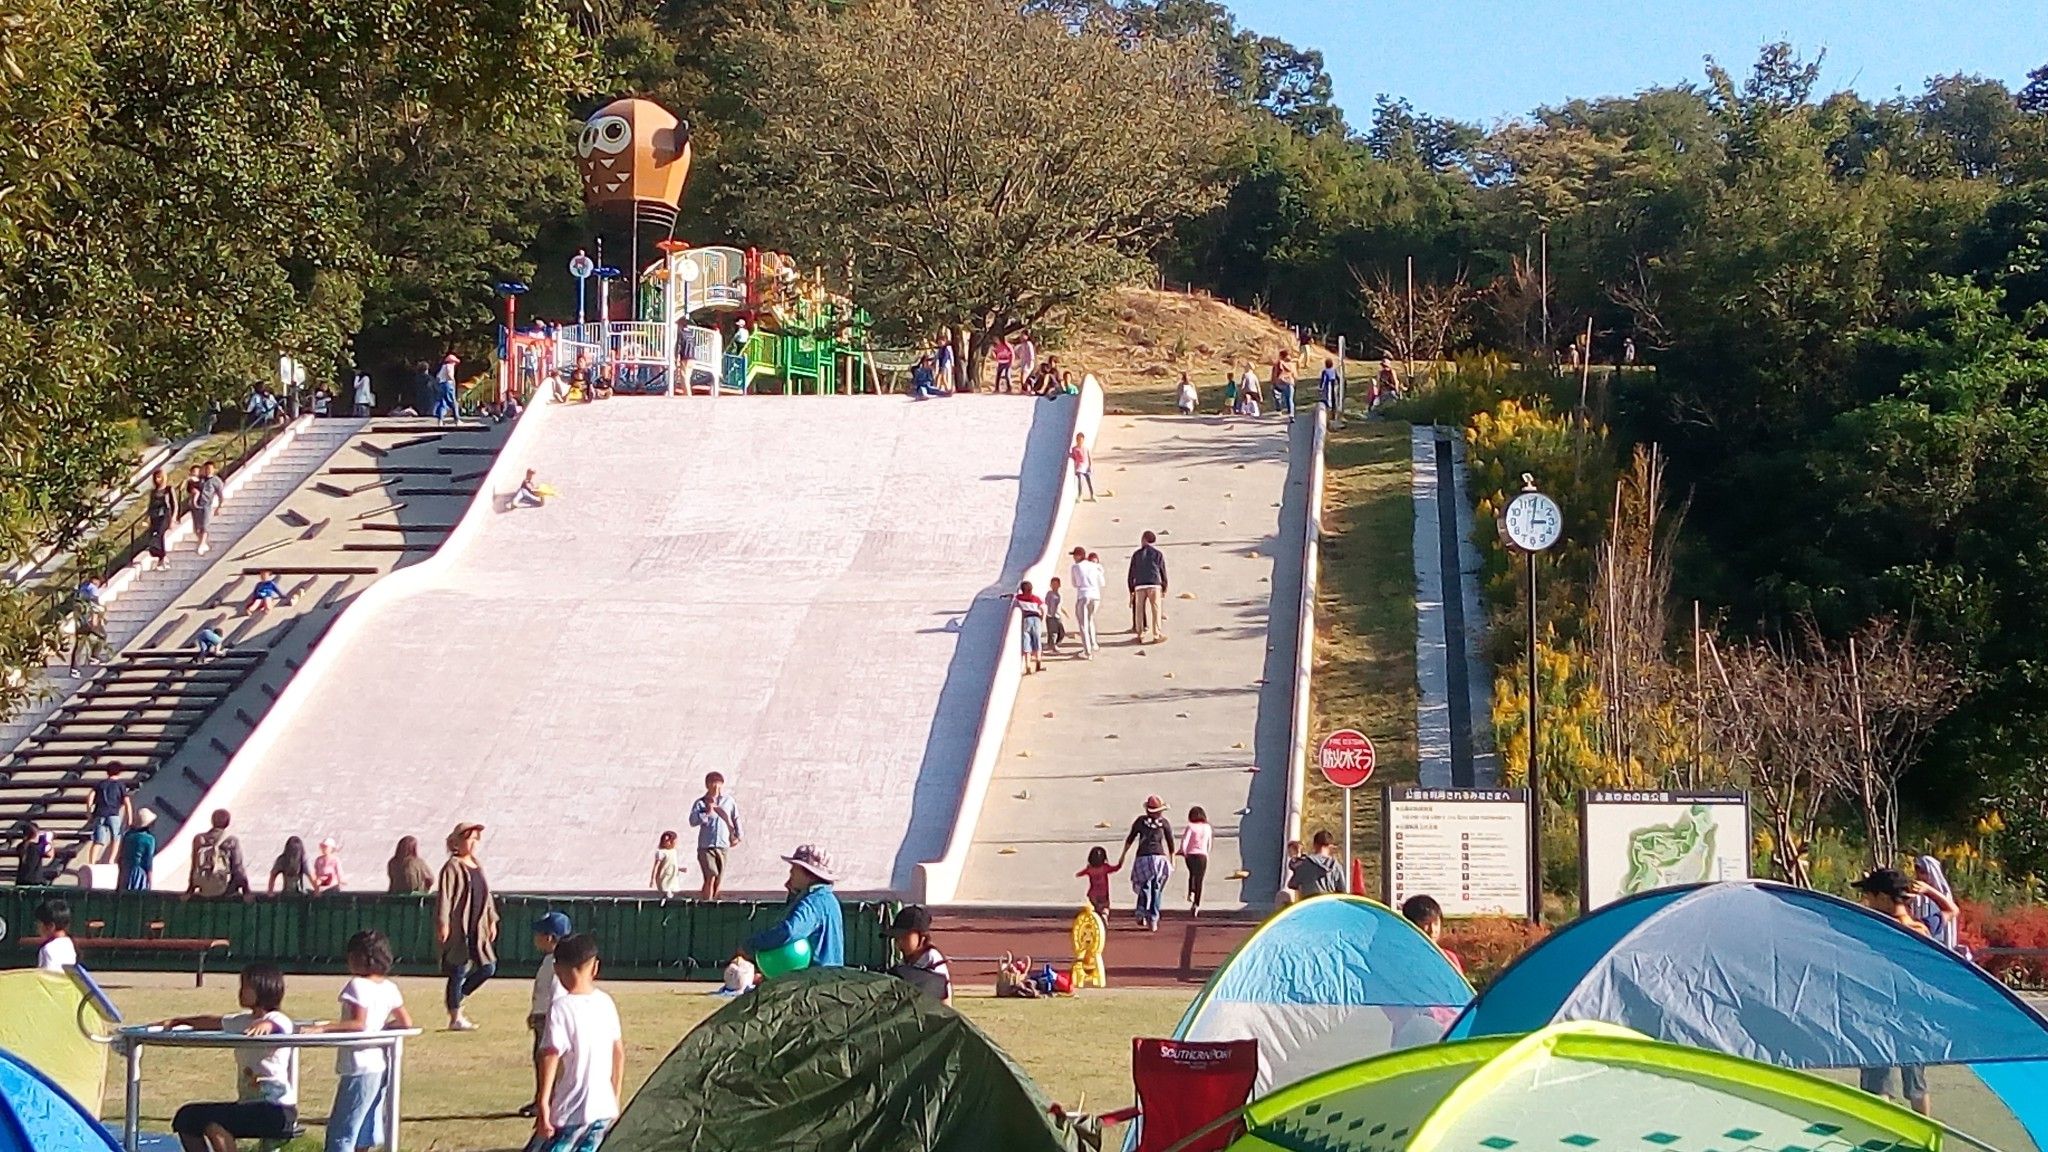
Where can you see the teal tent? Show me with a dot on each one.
(1780, 975)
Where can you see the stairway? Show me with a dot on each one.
(137, 707)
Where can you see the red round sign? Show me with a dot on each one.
(1346, 758)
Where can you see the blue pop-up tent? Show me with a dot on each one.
(1781, 975)
(1324, 982)
(38, 1116)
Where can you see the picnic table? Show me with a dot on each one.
(131, 1041)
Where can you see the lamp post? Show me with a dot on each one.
(1533, 523)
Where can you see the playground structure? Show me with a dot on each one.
(718, 320)
(703, 320)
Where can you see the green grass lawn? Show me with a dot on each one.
(1365, 621)
(461, 1089)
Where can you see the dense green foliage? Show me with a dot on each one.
(1843, 301)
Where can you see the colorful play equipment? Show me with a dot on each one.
(1578, 1087)
(1091, 935)
(703, 320)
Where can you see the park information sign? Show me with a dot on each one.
(1467, 847)
(1632, 842)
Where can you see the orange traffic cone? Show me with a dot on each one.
(1358, 877)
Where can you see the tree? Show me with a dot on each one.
(983, 199)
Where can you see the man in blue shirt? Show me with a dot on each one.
(814, 915)
(1328, 385)
(717, 821)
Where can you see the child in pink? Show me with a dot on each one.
(1098, 872)
(1195, 841)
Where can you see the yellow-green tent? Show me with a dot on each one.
(43, 1019)
(1578, 1087)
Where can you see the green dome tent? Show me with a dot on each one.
(1578, 1087)
(842, 1060)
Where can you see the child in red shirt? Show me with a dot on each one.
(1098, 872)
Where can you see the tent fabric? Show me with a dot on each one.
(839, 1059)
(1572, 1088)
(38, 1116)
(39, 1022)
(1765, 971)
(1325, 982)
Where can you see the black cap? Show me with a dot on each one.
(1886, 882)
(911, 918)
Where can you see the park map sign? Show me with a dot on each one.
(1466, 847)
(1632, 842)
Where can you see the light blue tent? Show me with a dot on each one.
(1781, 975)
(1325, 982)
(37, 1116)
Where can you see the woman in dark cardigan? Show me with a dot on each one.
(465, 923)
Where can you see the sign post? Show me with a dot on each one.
(1346, 758)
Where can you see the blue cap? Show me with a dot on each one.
(554, 924)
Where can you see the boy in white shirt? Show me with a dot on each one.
(548, 932)
(583, 1059)
(53, 922)
(370, 1002)
(266, 1104)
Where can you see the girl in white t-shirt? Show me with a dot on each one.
(266, 1103)
(1195, 842)
(370, 1002)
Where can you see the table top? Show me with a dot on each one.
(194, 1038)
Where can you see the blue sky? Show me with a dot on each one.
(1482, 60)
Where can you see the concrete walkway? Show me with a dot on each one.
(1185, 719)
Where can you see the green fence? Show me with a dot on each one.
(639, 939)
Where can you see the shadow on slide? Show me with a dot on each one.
(956, 724)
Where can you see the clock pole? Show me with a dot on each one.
(1535, 771)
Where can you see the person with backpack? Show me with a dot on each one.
(1320, 871)
(217, 867)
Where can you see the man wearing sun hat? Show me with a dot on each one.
(444, 389)
(814, 914)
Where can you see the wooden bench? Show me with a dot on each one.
(199, 948)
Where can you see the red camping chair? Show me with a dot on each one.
(1185, 1086)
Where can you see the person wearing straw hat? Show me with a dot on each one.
(814, 914)
(1152, 835)
(137, 855)
(444, 390)
(465, 923)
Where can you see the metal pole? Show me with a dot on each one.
(1535, 771)
(131, 1123)
(1347, 839)
(1411, 314)
(394, 1067)
(582, 295)
(1545, 290)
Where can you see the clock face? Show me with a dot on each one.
(1533, 522)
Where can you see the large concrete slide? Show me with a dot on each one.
(802, 593)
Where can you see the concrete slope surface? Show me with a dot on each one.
(799, 592)
(1184, 719)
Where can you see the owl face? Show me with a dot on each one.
(604, 147)
(632, 151)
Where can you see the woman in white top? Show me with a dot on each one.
(1195, 842)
